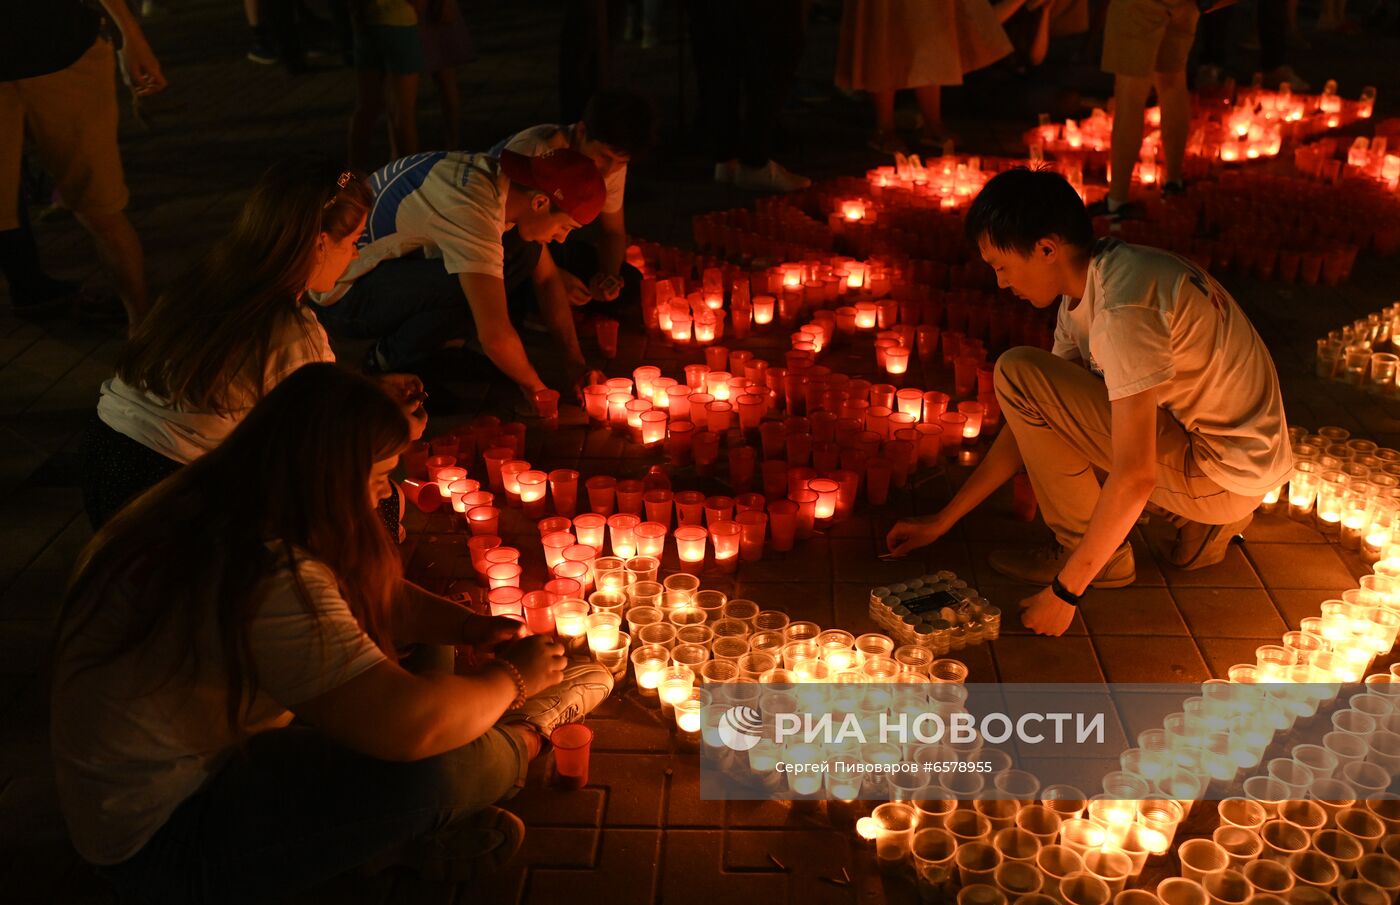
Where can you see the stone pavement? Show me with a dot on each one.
(638, 832)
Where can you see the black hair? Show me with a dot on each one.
(1020, 206)
(620, 119)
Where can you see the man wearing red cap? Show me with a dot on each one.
(431, 271)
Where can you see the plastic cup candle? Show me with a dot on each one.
(505, 602)
(688, 716)
(674, 684)
(690, 544)
(484, 520)
(642, 378)
(826, 491)
(595, 402)
(972, 427)
(622, 530)
(571, 618)
(532, 486)
(571, 743)
(651, 539)
(503, 575)
(763, 306)
(609, 573)
(554, 546)
(510, 479)
(648, 663)
(446, 477)
(563, 485)
(896, 361)
(866, 315)
(604, 631)
(589, 529)
(652, 426)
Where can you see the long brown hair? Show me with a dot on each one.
(291, 479)
(213, 327)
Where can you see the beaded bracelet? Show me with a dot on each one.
(520, 695)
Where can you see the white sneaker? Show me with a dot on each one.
(725, 170)
(771, 177)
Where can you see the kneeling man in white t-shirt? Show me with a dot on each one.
(1157, 379)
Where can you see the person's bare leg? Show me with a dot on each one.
(1130, 102)
(250, 12)
(450, 99)
(403, 114)
(533, 741)
(930, 98)
(369, 104)
(120, 250)
(883, 102)
(1175, 100)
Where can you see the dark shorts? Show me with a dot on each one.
(389, 48)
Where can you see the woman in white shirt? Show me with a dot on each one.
(227, 332)
(256, 585)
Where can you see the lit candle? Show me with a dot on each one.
(972, 428)
(763, 306)
(649, 673)
(532, 485)
(826, 497)
(680, 328)
(866, 314)
(690, 544)
(853, 210)
(688, 716)
(674, 684)
(653, 427)
(571, 618)
(604, 631)
(705, 327)
(448, 476)
(651, 539)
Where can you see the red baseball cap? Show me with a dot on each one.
(570, 179)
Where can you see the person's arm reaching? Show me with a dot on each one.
(612, 251)
(558, 314)
(1131, 479)
(486, 295)
(422, 617)
(140, 67)
(1001, 464)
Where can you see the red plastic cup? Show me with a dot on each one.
(555, 544)
(806, 502)
(560, 588)
(651, 539)
(539, 612)
(965, 375)
(595, 402)
(799, 449)
(877, 481)
(704, 448)
(503, 575)
(755, 527)
(690, 546)
(478, 547)
(826, 490)
(575, 571)
(690, 507)
(935, 404)
(484, 520)
(695, 376)
(658, 506)
(590, 528)
(745, 502)
(826, 456)
(680, 441)
(901, 455)
(495, 457)
(622, 534)
(571, 742)
(553, 525)
(775, 479)
(436, 464)
(505, 602)
(725, 537)
(926, 339)
(718, 417)
(974, 411)
(773, 436)
(445, 445)
(601, 492)
(742, 462)
(426, 495)
(606, 329)
(547, 407)
(849, 489)
(953, 424)
(930, 443)
(716, 358)
(782, 516)
(719, 509)
(798, 479)
(563, 485)
(533, 490)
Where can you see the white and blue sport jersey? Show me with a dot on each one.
(448, 205)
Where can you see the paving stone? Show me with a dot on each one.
(805, 858)
(625, 873)
(636, 787)
(693, 873)
(1234, 571)
(1131, 611)
(1299, 566)
(1299, 603)
(1222, 653)
(1042, 659)
(1134, 658)
(1281, 529)
(1242, 613)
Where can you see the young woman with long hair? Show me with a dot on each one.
(227, 332)
(256, 585)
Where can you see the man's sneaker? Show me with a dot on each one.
(1198, 545)
(262, 52)
(584, 687)
(725, 170)
(468, 849)
(771, 177)
(1040, 565)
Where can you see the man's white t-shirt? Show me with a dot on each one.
(447, 205)
(1150, 319)
(534, 141)
(184, 435)
(127, 755)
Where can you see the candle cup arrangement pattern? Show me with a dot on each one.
(1363, 353)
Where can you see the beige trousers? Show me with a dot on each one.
(1060, 414)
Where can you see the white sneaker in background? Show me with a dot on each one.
(771, 177)
(725, 171)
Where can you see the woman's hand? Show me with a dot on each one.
(909, 534)
(486, 634)
(605, 287)
(140, 68)
(407, 391)
(540, 660)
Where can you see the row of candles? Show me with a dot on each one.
(1355, 353)
(1254, 124)
(1349, 487)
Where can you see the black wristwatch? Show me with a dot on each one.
(1064, 593)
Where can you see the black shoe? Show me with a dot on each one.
(1125, 211)
(262, 52)
(1174, 189)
